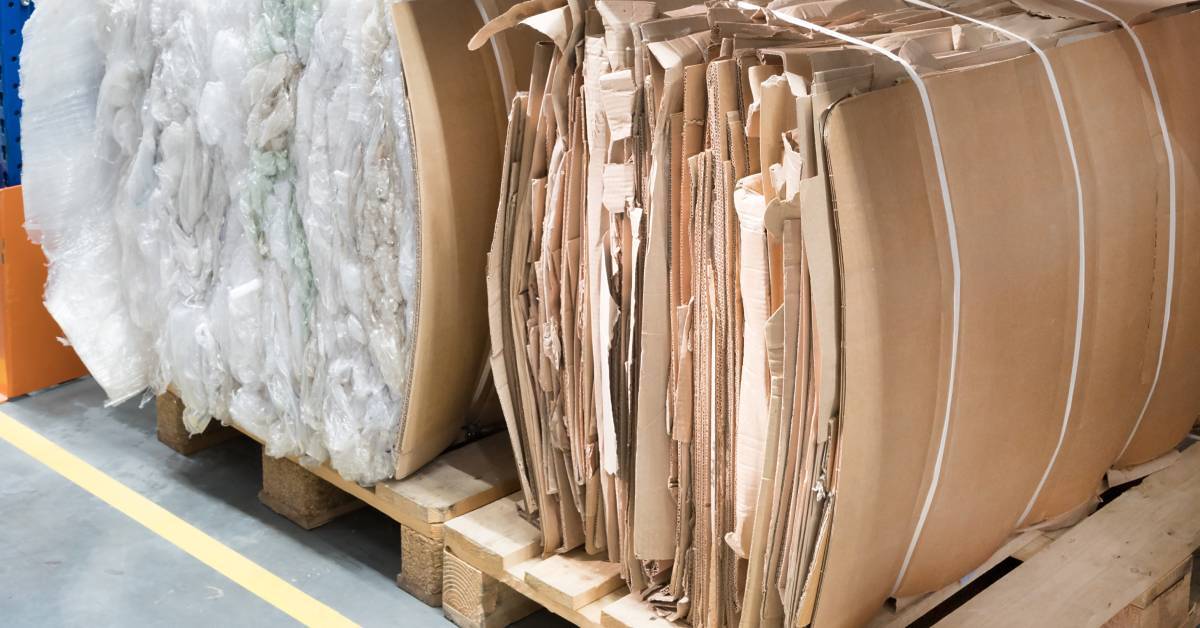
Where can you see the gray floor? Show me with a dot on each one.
(69, 559)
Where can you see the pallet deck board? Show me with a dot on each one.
(454, 484)
(495, 537)
(574, 580)
(1106, 562)
(630, 612)
(582, 589)
(499, 543)
(1170, 608)
(428, 498)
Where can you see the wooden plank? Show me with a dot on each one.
(454, 484)
(632, 611)
(1039, 543)
(414, 501)
(494, 537)
(573, 580)
(1184, 570)
(514, 577)
(1103, 564)
(498, 542)
(593, 614)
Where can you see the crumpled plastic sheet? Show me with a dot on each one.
(226, 194)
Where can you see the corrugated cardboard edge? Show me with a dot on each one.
(458, 117)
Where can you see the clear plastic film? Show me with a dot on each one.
(70, 173)
(227, 198)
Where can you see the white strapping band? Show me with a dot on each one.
(952, 233)
(500, 51)
(1062, 115)
(1166, 136)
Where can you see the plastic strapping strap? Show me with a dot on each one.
(952, 233)
(1062, 115)
(1166, 136)
(504, 65)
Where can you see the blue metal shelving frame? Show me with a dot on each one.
(13, 14)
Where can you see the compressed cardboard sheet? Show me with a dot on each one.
(456, 101)
(1017, 242)
(998, 445)
(893, 362)
(1111, 130)
(1176, 399)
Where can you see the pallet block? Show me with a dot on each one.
(305, 499)
(472, 599)
(505, 550)
(173, 434)
(1165, 605)
(457, 482)
(421, 566)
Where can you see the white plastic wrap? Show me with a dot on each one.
(71, 173)
(357, 202)
(227, 197)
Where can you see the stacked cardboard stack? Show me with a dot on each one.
(794, 308)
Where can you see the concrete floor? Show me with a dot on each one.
(69, 559)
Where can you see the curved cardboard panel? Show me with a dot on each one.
(1117, 150)
(1006, 164)
(1176, 402)
(458, 117)
(895, 352)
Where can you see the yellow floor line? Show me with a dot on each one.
(266, 585)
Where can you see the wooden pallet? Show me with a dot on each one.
(457, 482)
(495, 574)
(1127, 565)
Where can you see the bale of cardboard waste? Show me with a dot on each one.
(798, 307)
